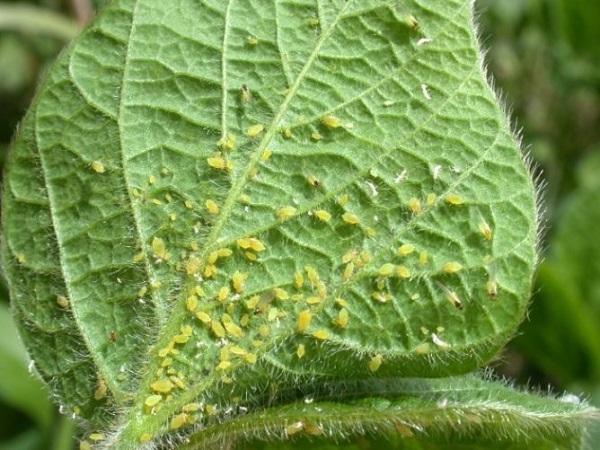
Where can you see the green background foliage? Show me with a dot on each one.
(542, 55)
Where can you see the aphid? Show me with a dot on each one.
(252, 302)
(180, 339)
(246, 94)
(386, 270)
(331, 121)
(484, 228)
(252, 41)
(423, 258)
(450, 296)
(151, 179)
(304, 319)
(451, 267)
(343, 200)
(313, 181)
(491, 284)
(212, 206)
(159, 249)
(287, 133)
(264, 330)
(222, 294)
(250, 256)
(188, 204)
(244, 320)
(313, 300)
(162, 386)
(217, 162)
(178, 421)
(62, 301)
(414, 204)
(323, 215)
(156, 201)
(431, 198)
(286, 212)
(101, 390)
(192, 265)
(186, 330)
(405, 249)
(266, 154)
(403, 272)
(256, 245)
(298, 280)
(422, 349)
(233, 329)
(255, 130)
(316, 136)
(375, 362)
(245, 198)
(98, 167)
(312, 274)
(342, 319)
(210, 271)
(172, 217)
(250, 358)
(300, 351)
(350, 218)
(294, 428)
(152, 400)
(237, 281)
(217, 329)
(320, 334)
(145, 437)
(348, 271)
(411, 22)
(454, 200)
(96, 437)
(314, 22)
(370, 232)
(227, 143)
(281, 294)
(341, 302)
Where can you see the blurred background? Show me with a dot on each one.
(545, 58)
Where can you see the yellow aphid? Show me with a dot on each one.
(273, 314)
(222, 294)
(350, 218)
(281, 294)
(300, 351)
(178, 381)
(295, 427)
(323, 215)
(411, 22)
(298, 280)
(313, 181)
(252, 41)
(423, 258)
(252, 302)
(191, 407)
(186, 330)
(331, 121)
(188, 204)
(246, 94)
(227, 143)
(212, 257)
(250, 358)
(178, 421)
(145, 437)
(313, 300)
(414, 204)
(156, 284)
(485, 229)
(312, 274)
(256, 245)
(386, 270)
(320, 334)
(316, 136)
(210, 271)
(85, 445)
(138, 257)
(239, 351)
(191, 303)
(450, 296)
(217, 162)
(237, 281)
(101, 390)
(224, 365)
(348, 271)
(250, 256)
(266, 154)
(180, 339)
(156, 201)
(254, 130)
(343, 200)
(244, 320)
(454, 199)
(286, 212)
(212, 206)
(304, 319)
(192, 265)
(162, 386)
(422, 349)
(151, 179)
(172, 217)
(245, 198)
(342, 319)
(203, 317)
(375, 362)
(370, 232)
(379, 296)
(98, 167)
(321, 289)
(341, 302)
(159, 249)
(198, 291)
(403, 272)
(217, 329)
(287, 133)
(451, 267)
(62, 301)
(264, 330)
(430, 200)
(233, 329)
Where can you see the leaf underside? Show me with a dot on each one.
(216, 202)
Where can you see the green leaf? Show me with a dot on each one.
(196, 180)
